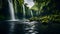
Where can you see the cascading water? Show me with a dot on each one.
(29, 27)
(31, 13)
(11, 10)
(12, 24)
(36, 13)
(23, 11)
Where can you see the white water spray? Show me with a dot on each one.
(11, 10)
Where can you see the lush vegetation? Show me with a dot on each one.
(47, 11)
(43, 10)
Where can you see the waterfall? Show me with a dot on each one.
(36, 13)
(31, 13)
(31, 25)
(23, 11)
(11, 10)
(12, 20)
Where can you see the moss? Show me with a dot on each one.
(46, 19)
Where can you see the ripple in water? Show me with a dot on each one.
(30, 27)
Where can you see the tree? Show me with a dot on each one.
(49, 10)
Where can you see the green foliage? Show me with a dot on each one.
(46, 6)
(21, 2)
(47, 18)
